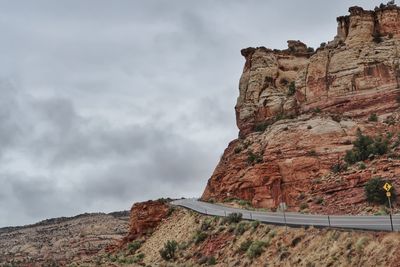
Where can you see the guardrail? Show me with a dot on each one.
(363, 222)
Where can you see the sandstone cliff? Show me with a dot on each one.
(298, 112)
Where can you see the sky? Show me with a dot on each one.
(106, 103)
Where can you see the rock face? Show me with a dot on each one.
(355, 71)
(298, 112)
(145, 216)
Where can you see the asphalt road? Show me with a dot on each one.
(367, 222)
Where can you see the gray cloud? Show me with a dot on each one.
(106, 104)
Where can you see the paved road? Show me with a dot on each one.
(381, 223)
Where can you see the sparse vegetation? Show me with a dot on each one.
(211, 260)
(255, 249)
(303, 206)
(362, 166)
(199, 237)
(319, 200)
(375, 193)
(312, 153)
(253, 158)
(373, 117)
(244, 246)
(338, 167)
(134, 245)
(234, 218)
(361, 243)
(365, 147)
(238, 149)
(169, 250)
(317, 110)
(291, 89)
(241, 228)
(262, 126)
(254, 224)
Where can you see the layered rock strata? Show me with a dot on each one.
(298, 111)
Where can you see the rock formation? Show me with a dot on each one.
(298, 111)
(145, 216)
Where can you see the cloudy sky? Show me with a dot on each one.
(105, 103)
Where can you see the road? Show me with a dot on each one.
(367, 222)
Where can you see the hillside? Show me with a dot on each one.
(62, 241)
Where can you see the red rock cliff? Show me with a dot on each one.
(145, 216)
(298, 111)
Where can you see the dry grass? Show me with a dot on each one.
(295, 247)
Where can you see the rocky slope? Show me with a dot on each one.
(203, 240)
(62, 241)
(298, 112)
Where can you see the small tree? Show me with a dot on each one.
(168, 252)
(375, 193)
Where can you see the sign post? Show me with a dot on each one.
(282, 206)
(387, 187)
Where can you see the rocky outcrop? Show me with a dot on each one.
(358, 69)
(145, 216)
(298, 112)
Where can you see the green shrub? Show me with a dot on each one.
(373, 117)
(317, 110)
(256, 249)
(261, 127)
(254, 224)
(169, 250)
(234, 217)
(199, 237)
(338, 167)
(211, 261)
(364, 146)
(310, 49)
(291, 89)
(362, 166)
(312, 153)
(135, 245)
(375, 193)
(238, 149)
(205, 225)
(253, 158)
(303, 206)
(243, 202)
(319, 200)
(244, 246)
(241, 228)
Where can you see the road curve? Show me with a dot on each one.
(367, 222)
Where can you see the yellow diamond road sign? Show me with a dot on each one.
(387, 187)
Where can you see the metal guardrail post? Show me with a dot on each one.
(206, 211)
(329, 221)
(391, 221)
(284, 218)
(225, 212)
(251, 217)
